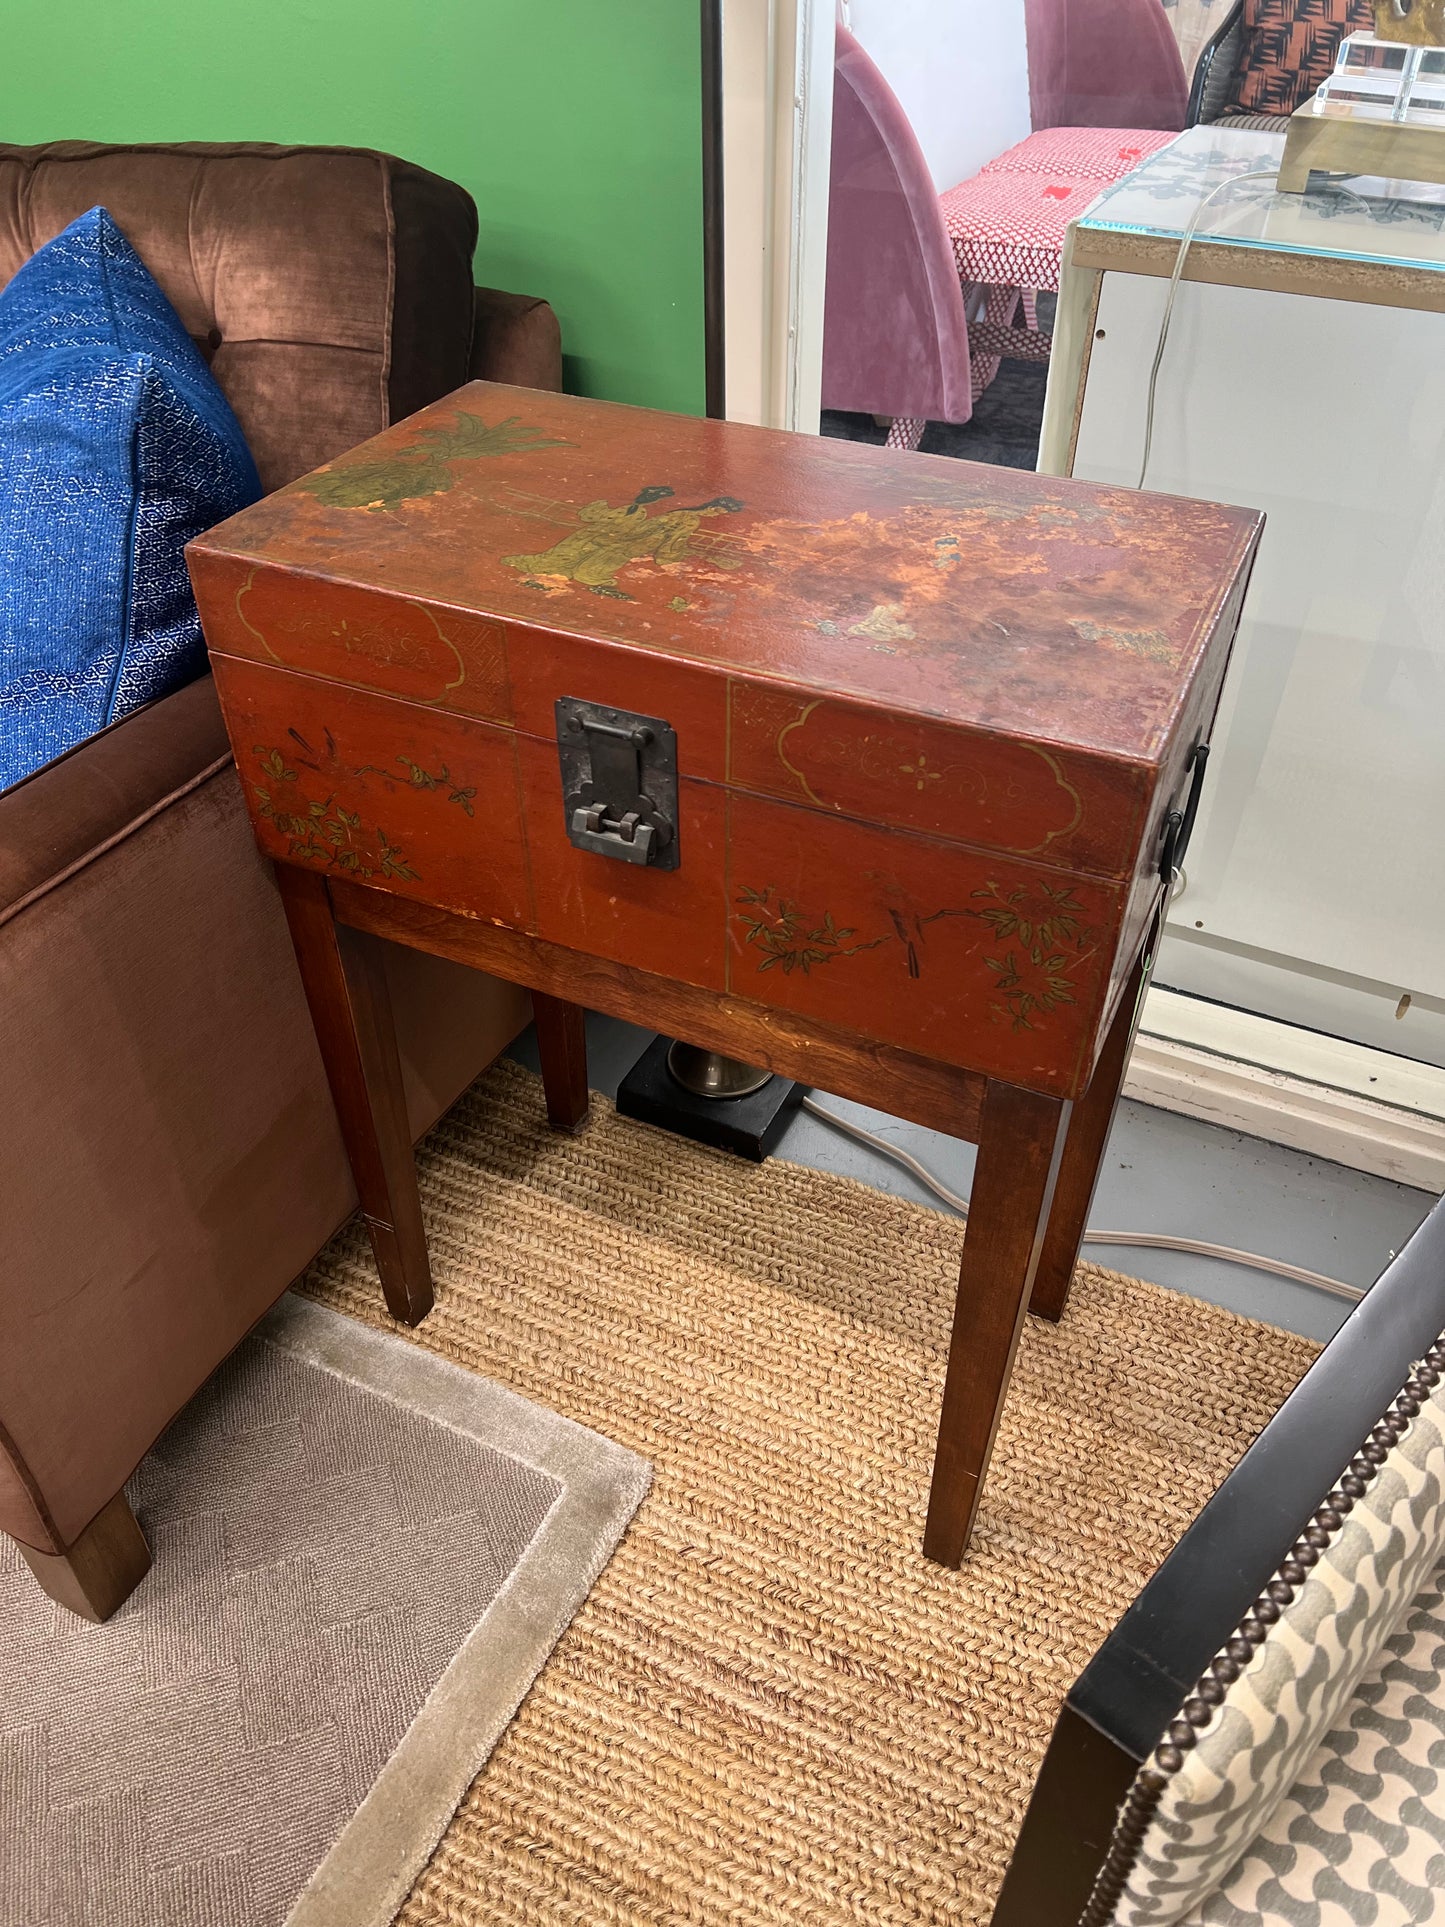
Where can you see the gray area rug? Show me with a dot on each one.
(363, 1556)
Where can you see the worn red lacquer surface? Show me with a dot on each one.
(929, 715)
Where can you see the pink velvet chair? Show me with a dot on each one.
(895, 334)
(1104, 63)
(905, 267)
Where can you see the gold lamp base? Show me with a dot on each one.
(1339, 138)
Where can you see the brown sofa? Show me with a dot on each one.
(169, 1155)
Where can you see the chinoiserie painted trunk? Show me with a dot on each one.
(930, 718)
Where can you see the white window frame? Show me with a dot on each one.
(777, 130)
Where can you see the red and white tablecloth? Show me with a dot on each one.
(1092, 153)
(1007, 224)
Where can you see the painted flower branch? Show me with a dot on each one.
(1041, 938)
(324, 831)
(791, 940)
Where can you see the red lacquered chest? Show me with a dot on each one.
(928, 717)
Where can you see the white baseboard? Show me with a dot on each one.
(1336, 1120)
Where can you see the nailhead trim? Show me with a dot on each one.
(1150, 1782)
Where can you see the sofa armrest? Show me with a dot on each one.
(59, 817)
(515, 338)
(169, 1148)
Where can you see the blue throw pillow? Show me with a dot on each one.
(116, 447)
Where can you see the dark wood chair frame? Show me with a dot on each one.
(1214, 70)
(1122, 1705)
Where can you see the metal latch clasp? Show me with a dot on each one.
(593, 829)
(619, 782)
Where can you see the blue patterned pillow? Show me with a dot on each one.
(116, 447)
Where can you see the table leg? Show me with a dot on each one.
(1084, 1150)
(1020, 1146)
(1075, 322)
(345, 984)
(562, 1047)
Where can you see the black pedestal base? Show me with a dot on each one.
(749, 1126)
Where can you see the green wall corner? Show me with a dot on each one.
(576, 128)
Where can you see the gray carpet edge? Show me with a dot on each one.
(373, 1864)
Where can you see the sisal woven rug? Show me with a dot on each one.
(362, 1557)
(771, 1708)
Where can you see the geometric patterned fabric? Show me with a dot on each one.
(1288, 49)
(1007, 224)
(1246, 1806)
(1359, 1840)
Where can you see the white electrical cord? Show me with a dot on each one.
(1233, 180)
(1150, 1240)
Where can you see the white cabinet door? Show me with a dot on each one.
(1316, 880)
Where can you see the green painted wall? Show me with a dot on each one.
(574, 124)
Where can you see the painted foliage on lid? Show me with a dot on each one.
(1047, 610)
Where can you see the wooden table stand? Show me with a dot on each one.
(1038, 1157)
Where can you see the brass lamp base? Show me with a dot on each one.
(710, 1098)
(1332, 137)
(707, 1073)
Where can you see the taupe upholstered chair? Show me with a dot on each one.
(169, 1157)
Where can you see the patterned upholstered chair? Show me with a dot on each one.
(1259, 1741)
(1194, 23)
(1266, 57)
